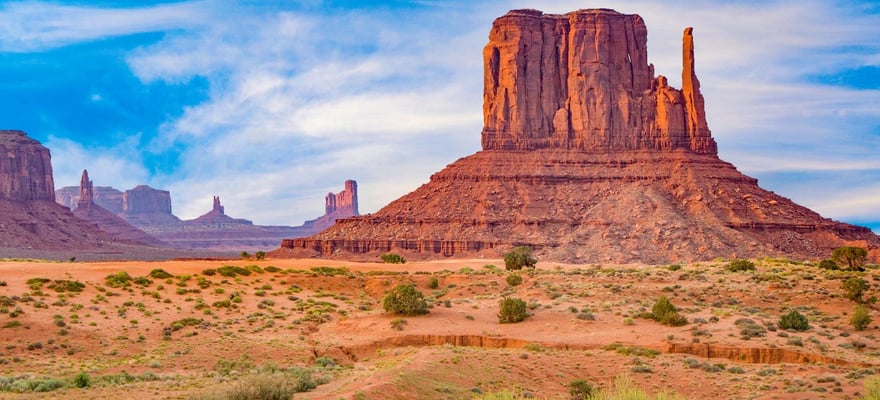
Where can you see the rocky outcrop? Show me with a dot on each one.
(148, 209)
(106, 221)
(588, 157)
(336, 206)
(30, 219)
(104, 196)
(582, 81)
(25, 168)
(217, 217)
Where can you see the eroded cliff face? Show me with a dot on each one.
(344, 203)
(582, 81)
(25, 168)
(108, 222)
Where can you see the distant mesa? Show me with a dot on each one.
(588, 157)
(150, 210)
(107, 221)
(30, 219)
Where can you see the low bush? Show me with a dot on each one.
(511, 310)
(81, 380)
(794, 321)
(851, 257)
(740, 265)
(665, 313)
(514, 279)
(67, 286)
(159, 273)
(231, 271)
(119, 279)
(580, 389)
(392, 258)
(433, 282)
(519, 258)
(828, 264)
(855, 289)
(405, 299)
(860, 318)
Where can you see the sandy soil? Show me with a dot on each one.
(295, 315)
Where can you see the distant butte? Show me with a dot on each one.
(588, 157)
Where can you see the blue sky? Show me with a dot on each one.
(270, 105)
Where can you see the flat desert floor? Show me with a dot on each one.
(321, 324)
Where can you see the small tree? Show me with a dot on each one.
(406, 300)
(245, 255)
(794, 321)
(851, 257)
(433, 282)
(519, 257)
(855, 288)
(860, 318)
(511, 309)
(260, 255)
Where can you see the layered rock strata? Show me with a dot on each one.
(25, 168)
(148, 209)
(104, 196)
(588, 157)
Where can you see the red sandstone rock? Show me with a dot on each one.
(25, 168)
(582, 81)
(108, 222)
(104, 196)
(148, 209)
(589, 158)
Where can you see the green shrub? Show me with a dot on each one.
(159, 273)
(433, 282)
(514, 279)
(851, 257)
(828, 264)
(855, 288)
(749, 328)
(740, 265)
(209, 272)
(81, 380)
(245, 255)
(519, 258)
(231, 271)
(391, 258)
(37, 283)
(665, 313)
(860, 318)
(142, 281)
(119, 279)
(67, 286)
(794, 321)
(580, 389)
(511, 310)
(260, 255)
(406, 300)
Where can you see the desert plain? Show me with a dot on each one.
(319, 325)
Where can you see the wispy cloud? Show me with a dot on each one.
(35, 26)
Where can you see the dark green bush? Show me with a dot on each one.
(406, 300)
(855, 289)
(519, 258)
(260, 255)
(860, 318)
(67, 286)
(433, 282)
(514, 279)
(740, 265)
(81, 380)
(391, 258)
(232, 270)
(828, 264)
(794, 321)
(160, 273)
(665, 313)
(580, 389)
(119, 279)
(511, 310)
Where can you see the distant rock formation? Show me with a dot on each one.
(104, 196)
(339, 205)
(30, 219)
(25, 168)
(108, 222)
(588, 157)
(217, 217)
(148, 209)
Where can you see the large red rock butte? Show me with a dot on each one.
(588, 157)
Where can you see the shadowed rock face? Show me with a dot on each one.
(588, 157)
(104, 196)
(582, 81)
(148, 209)
(25, 168)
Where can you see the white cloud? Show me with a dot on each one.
(35, 26)
(119, 166)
